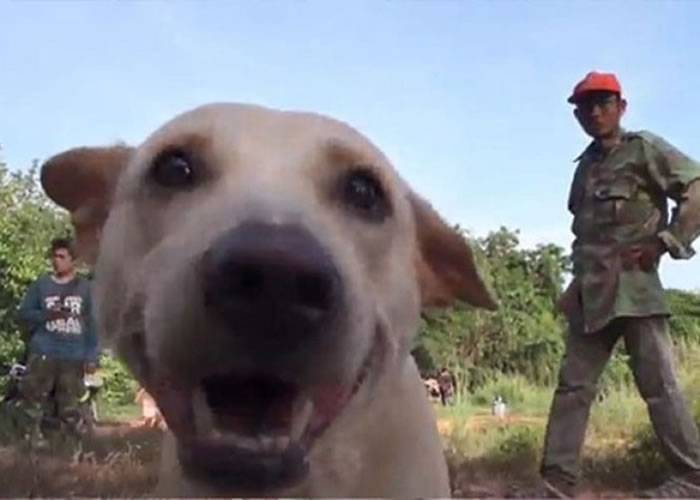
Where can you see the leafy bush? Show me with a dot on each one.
(525, 336)
(515, 390)
(520, 444)
(524, 339)
(28, 222)
(119, 386)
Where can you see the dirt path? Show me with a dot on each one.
(117, 461)
(513, 474)
(121, 460)
(447, 426)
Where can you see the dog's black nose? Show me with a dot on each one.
(271, 283)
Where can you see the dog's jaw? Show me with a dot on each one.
(260, 463)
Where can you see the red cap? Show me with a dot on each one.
(595, 81)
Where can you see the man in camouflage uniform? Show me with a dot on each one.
(619, 199)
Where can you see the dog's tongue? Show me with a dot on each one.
(328, 401)
(256, 415)
(250, 405)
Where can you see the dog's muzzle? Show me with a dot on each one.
(276, 294)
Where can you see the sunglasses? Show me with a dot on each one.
(590, 103)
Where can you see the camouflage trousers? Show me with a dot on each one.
(52, 387)
(649, 345)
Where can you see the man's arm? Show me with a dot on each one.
(679, 178)
(684, 227)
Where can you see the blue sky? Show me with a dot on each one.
(467, 98)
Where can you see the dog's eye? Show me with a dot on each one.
(173, 169)
(364, 192)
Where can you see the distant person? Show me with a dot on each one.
(448, 386)
(498, 407)
(619, 201)
(62, 347)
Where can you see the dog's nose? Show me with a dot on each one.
(271, 282)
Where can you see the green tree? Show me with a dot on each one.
(526, 335)
(523, 337)
(28, 222)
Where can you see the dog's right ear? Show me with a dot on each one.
(445, 263)
(82, 180)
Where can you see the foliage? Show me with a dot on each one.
(685, 322)
(522, 341)
(515, 390)
(523, 337)
(119, 387)
(525, 442)
(28, 222)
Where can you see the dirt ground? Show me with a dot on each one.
(446, 426)
(121, 460)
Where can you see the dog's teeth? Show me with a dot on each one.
(266, 443)
(203, 417)
(300, 418)
(281, 443)
(247, 443)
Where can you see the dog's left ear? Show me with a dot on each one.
(82, 180)
(445, 263)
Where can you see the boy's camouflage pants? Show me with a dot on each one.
(651, 357)
(64, 378)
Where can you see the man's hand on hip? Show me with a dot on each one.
(644, 256)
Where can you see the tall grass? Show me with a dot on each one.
(620, 452)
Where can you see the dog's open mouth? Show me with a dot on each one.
(254, 432)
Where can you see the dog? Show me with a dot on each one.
(433, 389)
(261, 273)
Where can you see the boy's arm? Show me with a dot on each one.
(31, 312)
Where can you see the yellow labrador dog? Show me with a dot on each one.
(262, 274)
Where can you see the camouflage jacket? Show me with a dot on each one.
(620, 199)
